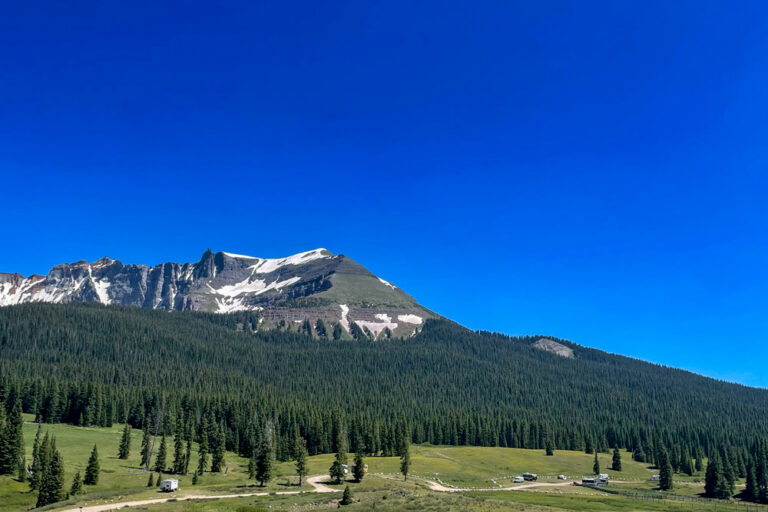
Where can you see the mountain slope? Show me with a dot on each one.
(306, 286)
(84, 363)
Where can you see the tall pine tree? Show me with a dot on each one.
(92, 469)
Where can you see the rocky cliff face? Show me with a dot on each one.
(310, 285)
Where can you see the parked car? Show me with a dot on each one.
(530, 476)
(519, 480)
(562, 477)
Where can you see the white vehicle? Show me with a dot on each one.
(562, 477)
(169, 485)
(519, 480)
(603, 476)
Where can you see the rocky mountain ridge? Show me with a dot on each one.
(310, 285)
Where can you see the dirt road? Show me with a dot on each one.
(440, 487)
(314, 481)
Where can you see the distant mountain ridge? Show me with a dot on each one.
(310, 285)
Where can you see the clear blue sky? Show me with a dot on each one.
(590, 170)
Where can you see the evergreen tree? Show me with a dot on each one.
(750, 490)
(638, 454)
(219, 446)
(52, 480)
(178, 444)
(549, 445)
(301, 458)
(337, 332)
(194, 478)
(340, 459)
(92, 469)
(77, 485)
(161, 456)
(699, 465)
(616, 462)
(359, 470)
(714, 481)
(11, 438)
(306, 328)
(146, 441)
(265, 456)
(202, 448)
(405, 460)
(22, 471)
(729, 472)
(665, 471)
(125, 443)
(151, 480)
(596, 466)
(320, 329)
(187, 457)
(761, 474)
(589, 445)
(346, 498)
(36, 468)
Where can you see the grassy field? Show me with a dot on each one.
(383, 488)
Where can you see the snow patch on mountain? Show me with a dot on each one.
(388, 283)
(383, 316)
(376, 327)
(344, 312)
(410, 319)
(239, 256)
(265, 266)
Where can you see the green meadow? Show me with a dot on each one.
(479, 470)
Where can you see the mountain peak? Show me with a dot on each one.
(309, 285)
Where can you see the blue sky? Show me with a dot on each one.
(590, 170)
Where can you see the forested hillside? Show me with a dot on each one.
(89, 364)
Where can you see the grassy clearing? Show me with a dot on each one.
(382, 490)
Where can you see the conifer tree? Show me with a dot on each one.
(359, 470)
(616, 462)
(750, 490)
(265, 456)
(589, 445)
(161, 456)
(36, 469)
(346, 498)
(92, 469)
(596, 466)
(77, 485)
(337, 332)
(714, 481)
(187, 456)
(52, 480)
(549, 445)
(22, 472)
(306, 328)
(146, 441)
(761, 474)
(729, 472)
(665, 470)
(699, 465)
(194, 478)
(405, 460)
(340, 459)
(151, 480)
(11, 438)
(320, 329)
(638, 454)
(202, 449)
(300, 456)
(219, 446)
(125, 443)
(178, 444)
